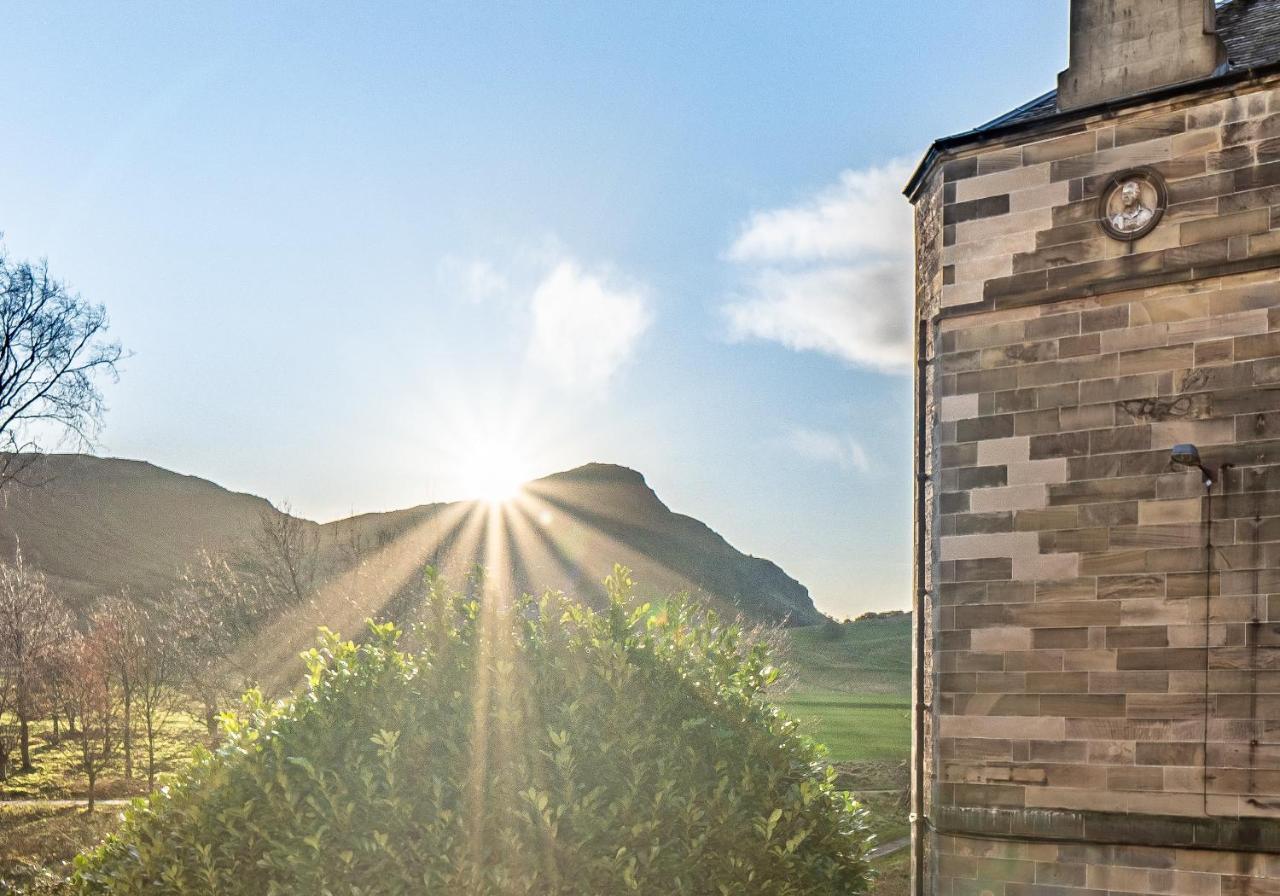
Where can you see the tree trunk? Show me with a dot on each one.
(151, 754)
(211, 716)
(57, 735)
(25, 736)
(128, 730)
(22, 709)
(93, 782)
(71, 720)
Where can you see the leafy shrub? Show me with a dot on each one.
(832, 630)
(871, 615)
(537, 748)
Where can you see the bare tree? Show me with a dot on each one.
(8, 705)
(97, 702)
(52, 352)
(158, 672)
(53, 671)
(284, 557)
(32, 623)
(120, 624)
(212, 610)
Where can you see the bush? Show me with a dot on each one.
(832, 630)
(539, 748)
(871, 616)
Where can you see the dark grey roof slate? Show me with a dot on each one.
(1249, 28)
(1251, 31)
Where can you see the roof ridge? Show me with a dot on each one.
(1014, 113)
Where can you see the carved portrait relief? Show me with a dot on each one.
(1131, 204)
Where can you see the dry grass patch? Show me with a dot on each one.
(37, 844)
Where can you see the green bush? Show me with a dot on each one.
(539, 748)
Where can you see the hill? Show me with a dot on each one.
(102, 524)
(850, 685)
(99, 524)
(869, 656)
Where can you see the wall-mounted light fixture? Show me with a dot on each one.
(1188, 455)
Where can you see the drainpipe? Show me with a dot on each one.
(919, 825)
(1208, 618)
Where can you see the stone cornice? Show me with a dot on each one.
(1075, 120)
(1069, 826)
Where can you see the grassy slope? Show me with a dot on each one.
(851, 687)
(57, 773)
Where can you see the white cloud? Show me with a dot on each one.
(474, 280)
(585, 327)
(850, 311)
(864, 211)
(840, 449)
(832, 274)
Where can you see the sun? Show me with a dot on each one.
(495, 474)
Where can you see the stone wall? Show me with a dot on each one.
(1071, 635)
(970, 867)
(1020, 221)
(1124, 47)
(1075, 691)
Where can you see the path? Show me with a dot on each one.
(60, 804)
(888, 849)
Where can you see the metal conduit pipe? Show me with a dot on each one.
(919, 825)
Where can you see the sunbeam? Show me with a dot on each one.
(344, 602)
(540, 536)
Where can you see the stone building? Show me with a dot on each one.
(1098, 606)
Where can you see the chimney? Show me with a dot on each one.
(1124, 47)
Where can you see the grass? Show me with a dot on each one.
(57, 773)
(887, 816)
(872, 656)
(893, 875)
(849, 686)
(37, 844)
(854, 728)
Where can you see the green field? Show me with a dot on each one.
(850, 687)
(854, 728)
(58, 775)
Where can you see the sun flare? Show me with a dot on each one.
(495, 475)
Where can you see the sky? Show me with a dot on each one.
(366, 256)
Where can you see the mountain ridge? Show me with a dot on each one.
(104, 524)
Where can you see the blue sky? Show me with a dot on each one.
(355, 248)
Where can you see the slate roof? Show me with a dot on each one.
(1249, 28)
